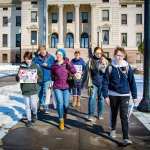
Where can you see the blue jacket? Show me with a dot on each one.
(118, 81)
(49, 59)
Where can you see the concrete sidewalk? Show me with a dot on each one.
(79, 134)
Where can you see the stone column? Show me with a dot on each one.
(46, 11)
(42, 22)
(60, 26)
(93, 26)
(77, 22)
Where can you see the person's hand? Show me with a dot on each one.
(77, 76)
(107, 101)
(45, 64)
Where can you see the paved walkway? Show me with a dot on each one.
(79, 134)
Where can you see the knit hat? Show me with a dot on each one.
(62, 51)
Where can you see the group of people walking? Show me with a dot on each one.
(110, 82)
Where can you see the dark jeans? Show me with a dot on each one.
(116, 103)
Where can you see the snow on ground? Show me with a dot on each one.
(12, 107)
(8, 69)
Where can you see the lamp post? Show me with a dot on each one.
(20, 47)
(144, 105)
(33, 43)
(98, 37)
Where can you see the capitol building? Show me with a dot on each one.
(72, 24)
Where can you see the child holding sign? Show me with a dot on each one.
(29, 76)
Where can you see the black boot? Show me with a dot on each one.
(29, 124)
(34, 118)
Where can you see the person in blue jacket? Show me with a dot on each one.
(118, 83)
(80, 66)
(45, 61)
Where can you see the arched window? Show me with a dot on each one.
(84, 43)
(54, 40)
(69, 40)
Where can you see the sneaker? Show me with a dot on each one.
(91, 118)
(113, 134)
(34, 118)
(46, 111)
(100, 117)
(127, 142)
(29, 124)
(61, 124)
(41, 109)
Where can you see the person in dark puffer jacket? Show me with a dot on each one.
(117, 84)
(94, 73)
(30, 90)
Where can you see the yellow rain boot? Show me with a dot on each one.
(61, 124)
(74, 102)
(78, 101)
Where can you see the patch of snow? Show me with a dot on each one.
(12, 107)
(8, 70)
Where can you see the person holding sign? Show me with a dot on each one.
(79, 65)
(29, 76)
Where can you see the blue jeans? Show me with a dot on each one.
(96, 93)
(44, 94)
(62, 100)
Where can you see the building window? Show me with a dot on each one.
(33, 16)
(34, 2)
(54, 40)
(5, 40)
(105, 15)
(18, 21)
(5, 58)
(124, 19)
(69, 17)
(69, 40)
(138, 39)
(18, 8)
(123, 39)
(139, 5)
(105, 1)
(18, 40)
(5, 21)
(84, 42)
(5, 9)
(33, 37)
(123, 6)
(54, 17)
(138, 18)
(84, 17)
(105, 37)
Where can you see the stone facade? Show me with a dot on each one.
(63, 33)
